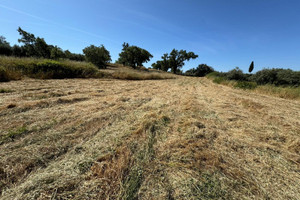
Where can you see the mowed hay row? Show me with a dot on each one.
(183, 138)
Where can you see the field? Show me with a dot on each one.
(183, 138)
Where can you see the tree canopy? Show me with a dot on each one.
(174, 61)
(133, 56)
(201, 70)
(97, 55)
(5, 48)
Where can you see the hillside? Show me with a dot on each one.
(183, 138)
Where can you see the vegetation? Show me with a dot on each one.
(200, 71)
(133, 56)
(99, 56)
(5, 48)
(174, 61)
(35, 47)
(277, 82)
(184, 138)
(12, 68)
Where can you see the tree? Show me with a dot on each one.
(175, 60)
(28, 39)
(5, 48)
(200, 71)
(56, 53)
(133, 56)
(97, 55)
(41, 48)
(18, 51)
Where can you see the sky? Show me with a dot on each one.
(224, 33)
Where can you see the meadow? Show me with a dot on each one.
(174, 138)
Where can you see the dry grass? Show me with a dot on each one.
(183, 138)
(277, 91)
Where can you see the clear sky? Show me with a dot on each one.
(224, 33)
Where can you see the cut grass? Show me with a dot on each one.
(3, 90)
(13, 134)
(184, 138)
(131, 74)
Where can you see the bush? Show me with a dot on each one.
(245, 85)
(236, 74)
(203, 70)
(277, 77)
(3, 75)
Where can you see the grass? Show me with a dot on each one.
(183, 138)
(15, 68)
(131, 74)
(3, 90)
(13, 134)
(282, 92)
(278, 91)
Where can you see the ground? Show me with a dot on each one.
(183, 138)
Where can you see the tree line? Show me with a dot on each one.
(32, 46)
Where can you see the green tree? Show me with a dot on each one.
(133, 56)
(42, 49)
(28, 39)
(177, 59)
(56, 53)
(18, 51)
(5, 48)
(97, 55)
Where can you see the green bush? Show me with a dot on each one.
(245, 85)
(236, 74)
(285, 77)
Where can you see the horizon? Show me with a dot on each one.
(224, 35)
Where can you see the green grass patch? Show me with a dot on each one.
(245, 85)
(209, 187)
(13, 134)
(46, 69)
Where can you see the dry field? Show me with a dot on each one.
(184, 138)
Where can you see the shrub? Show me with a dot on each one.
(203, 70)
(277, 77)
(236, 74)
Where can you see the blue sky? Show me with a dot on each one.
(224, 33)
